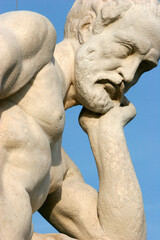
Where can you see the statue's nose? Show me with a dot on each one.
(128, 71)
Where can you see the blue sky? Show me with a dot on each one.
(142, 134)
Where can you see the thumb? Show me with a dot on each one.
(128, 111)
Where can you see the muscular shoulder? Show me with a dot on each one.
(27, 42)
(31, 30)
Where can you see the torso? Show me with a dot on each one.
(31, 126)
(32, 122)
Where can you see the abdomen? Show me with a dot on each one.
(28, 156)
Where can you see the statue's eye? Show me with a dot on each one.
(126, 50)
(129, 49)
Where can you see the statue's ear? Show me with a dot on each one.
(85, 29)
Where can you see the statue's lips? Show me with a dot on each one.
(114, 90)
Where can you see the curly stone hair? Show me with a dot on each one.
(99, 13)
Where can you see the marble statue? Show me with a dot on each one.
(108, 45)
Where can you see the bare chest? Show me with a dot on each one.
(32, 160)
(42, 100)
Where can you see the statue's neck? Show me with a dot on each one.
(65, 56)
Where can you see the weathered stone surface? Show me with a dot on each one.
(108, 45)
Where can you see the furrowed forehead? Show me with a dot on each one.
(139, 27)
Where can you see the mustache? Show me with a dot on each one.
(111, 76)
(115, 91)
(121, 86)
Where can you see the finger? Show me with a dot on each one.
(58, 236)
(128, 112)
(86, 118)
(88, 114)
(125, 101)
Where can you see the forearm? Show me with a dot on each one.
(120, 204)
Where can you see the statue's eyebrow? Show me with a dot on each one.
(142, 46)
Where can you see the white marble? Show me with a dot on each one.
(107, 46)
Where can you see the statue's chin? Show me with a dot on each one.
(96, 100)
(98, 108)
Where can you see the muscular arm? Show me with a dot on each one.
(116, 212)
(120, 204)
